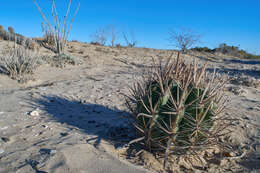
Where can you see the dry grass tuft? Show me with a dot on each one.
(17, 62)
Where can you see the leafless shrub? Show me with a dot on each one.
(48, 35)
(114, 34)
(61, 60)
(11, 29)
(1, 27)
(19, 39)
(61, 29)
(100, 36)
(130, 39)
(18, 62)
(183, 39)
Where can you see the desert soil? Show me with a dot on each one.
(73, 119)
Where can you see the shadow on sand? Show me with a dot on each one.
(238, 61)
(93, 119)
(237, 72)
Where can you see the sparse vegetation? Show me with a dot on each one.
(11, 30)
(228, 50)
(61, 60)
(183, 39)
(18, 62)
(114, 35)
(62, 29)
(48, 35)
(202, 49)
(100, 37)
(130, 39)
(17, 38)
(178, 108)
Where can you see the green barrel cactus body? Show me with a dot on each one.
(184, 123)
(178, 107)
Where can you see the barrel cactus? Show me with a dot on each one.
(178, 106)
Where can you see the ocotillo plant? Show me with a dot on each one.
(61, 29)
(178, 106)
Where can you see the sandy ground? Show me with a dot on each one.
(81, 124)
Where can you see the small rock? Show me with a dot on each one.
(34, 113)
(1, 151)
(4, 139)
(4, 128)
(47, 151)
(64, 134)
(257, 147)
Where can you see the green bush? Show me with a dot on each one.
(202, 49)
(228, 50)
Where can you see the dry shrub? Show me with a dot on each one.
(48, 35)
(18, 62)
(11, 30)
(19, 39)
(178, 108)
(61, 60)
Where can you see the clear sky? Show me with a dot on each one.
(235, 22)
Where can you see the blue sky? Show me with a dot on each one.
(235, 22)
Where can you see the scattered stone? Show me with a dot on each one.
(34, 113)
(4, 128)
(64, 134)
(1, 151)
(47, 151)
(237, 90)
(4, 139)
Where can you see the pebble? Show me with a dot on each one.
(1, 151)
(4, 128)
(64, 134)
(48, 151)
(34, 113)
(4, 139)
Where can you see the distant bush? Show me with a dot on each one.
(48, 35)
(18, 38)
(1, 27)
(17, 62)
(95, 43)
(251, 56)
(228, 50)
(202, 49)
(100, 36)
(183, 38)
(11, 30)
(61, 60)
(119, 45)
